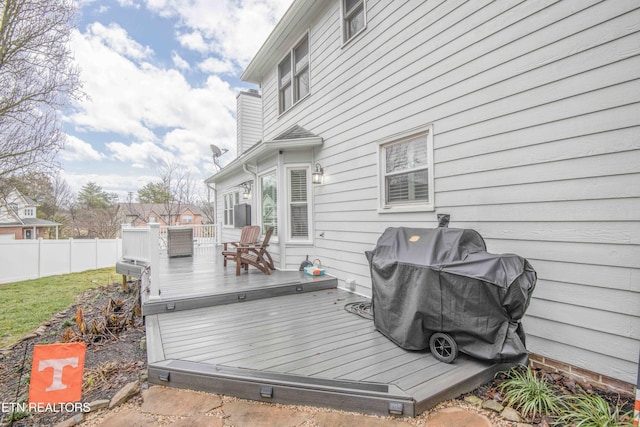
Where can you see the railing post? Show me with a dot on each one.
(154, 258)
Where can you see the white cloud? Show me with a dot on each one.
(116, 38)
(233, 29)
(216, 66)
(194, 41)
(144, 101)
(76, 150)
(179, 62)
(139, 154)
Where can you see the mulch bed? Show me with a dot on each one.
(113, 331)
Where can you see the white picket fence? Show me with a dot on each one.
(32, 259)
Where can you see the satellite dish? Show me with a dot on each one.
(217, 152)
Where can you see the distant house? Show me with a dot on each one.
(138, 214)
(520, 120)
(18, 219)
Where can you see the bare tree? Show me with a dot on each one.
(180, 188)
(37, 80)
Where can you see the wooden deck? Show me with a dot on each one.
(288, 340)
(202, 281)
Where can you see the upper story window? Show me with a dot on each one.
(406, 175)
(353, 18)
(29, 213)
(187, 219)
(293, 75)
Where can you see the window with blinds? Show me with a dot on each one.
(406, 172)
(299, 203)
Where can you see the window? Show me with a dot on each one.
(269, 202)
(353, 18)
(293, 75)
(152, 219)
(229, 200)
(407, 173)
(299, 211)
(29, 213)
(187, 219)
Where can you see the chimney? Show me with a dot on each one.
(248, 119)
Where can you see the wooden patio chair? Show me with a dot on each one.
(256, 255)
(248, 235)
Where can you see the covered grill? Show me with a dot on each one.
(440, 288)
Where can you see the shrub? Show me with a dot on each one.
(585, 410)
(533, 396)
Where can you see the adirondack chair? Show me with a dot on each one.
(248, 235)
(256, 255)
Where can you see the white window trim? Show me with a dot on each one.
(409, 207)
(291, 56)
(343, 22)
(287, 219)
(274, 237)
(235, 194)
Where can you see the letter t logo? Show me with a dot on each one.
(56, 373)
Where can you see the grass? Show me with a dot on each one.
(25, 305)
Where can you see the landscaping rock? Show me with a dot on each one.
(492, 405)
(73, 421)
(125, 393)
(170, 401)
(96, 405)
(511, 414)
(474, 400)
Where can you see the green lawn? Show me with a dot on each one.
(25, 305)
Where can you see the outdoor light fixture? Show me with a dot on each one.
(316, 176)
(247, 190)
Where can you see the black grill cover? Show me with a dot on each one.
(443, 280)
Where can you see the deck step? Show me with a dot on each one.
(219, 297)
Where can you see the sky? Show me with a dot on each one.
(160, 79)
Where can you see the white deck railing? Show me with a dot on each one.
(203, 235)
(144, 244)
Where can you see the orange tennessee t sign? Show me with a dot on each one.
(56, 373)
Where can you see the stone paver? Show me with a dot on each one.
(457, 417)
(335, 419)
(171, 401)
(128, 418)
(199, 421)
(245, 414)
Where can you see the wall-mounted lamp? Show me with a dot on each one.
(316, 176)
(247, 190)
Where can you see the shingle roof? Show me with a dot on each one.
(294, 132)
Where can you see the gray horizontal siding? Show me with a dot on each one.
(536, 114)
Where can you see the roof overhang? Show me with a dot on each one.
(262, 150)
(295, 22)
